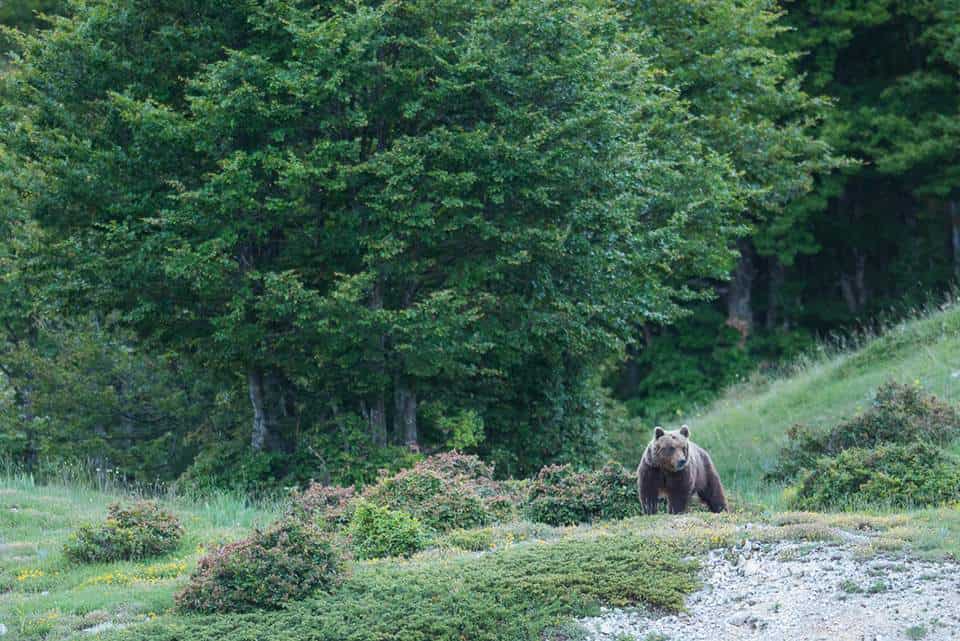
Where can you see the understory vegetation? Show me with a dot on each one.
(900, 451)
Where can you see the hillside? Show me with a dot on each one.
(516, 580)
(746, 428)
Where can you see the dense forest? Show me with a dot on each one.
(250, 244)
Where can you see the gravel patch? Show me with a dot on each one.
(790, 591)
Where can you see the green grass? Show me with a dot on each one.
(508, 595)
(42, 594)
(745, 429)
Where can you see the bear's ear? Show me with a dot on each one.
(658, 432)
(685, 430)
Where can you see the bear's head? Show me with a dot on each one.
(671, 450)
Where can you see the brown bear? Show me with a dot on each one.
(675, 468)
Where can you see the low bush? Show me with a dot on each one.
(470, 540)
(618, 492)
(515, 594)
(139, 531)
(377, 532)
(898, 414)
(329, 506)
(911, 475)
(444, 492)
(284, 563)
(561, 496)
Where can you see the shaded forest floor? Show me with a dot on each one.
(529, 581)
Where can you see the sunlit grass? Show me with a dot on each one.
(745, 429)
(43, 594)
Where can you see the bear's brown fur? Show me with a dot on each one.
(675, 468)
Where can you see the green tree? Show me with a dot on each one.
(724, 60)
(460, 205)
(888, 228)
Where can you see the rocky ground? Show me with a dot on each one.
(791, 591)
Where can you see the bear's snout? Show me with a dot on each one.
(681, 464)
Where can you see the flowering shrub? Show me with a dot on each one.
(378, 532)
(561, 496)
(618, 492)
(140, 531)
(284, 563)
(444, 491)
(329, 506)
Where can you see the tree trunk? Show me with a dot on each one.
(853, 286)
(775, 294)
(953, 208)
(375, 414)
(262, 423)
(405, 403)
(374, 409)
(739, 292)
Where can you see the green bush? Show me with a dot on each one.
(287, 562)
(139, 531)
(898, 414)
(329, 506)
(911, 475)
(511, 594)
(470, 540)
(561, 496)
(377, 532)
(445, 492)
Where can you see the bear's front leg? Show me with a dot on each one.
(678, 501)
(648, 485)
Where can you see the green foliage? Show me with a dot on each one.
(561, 496)
(329, 506)
(377, 532)
(912, 475)
(444, 491)
(464, 206)
(234, 466)
(139, 531)
(899, 413)
(509, 595)
(476, 540)
(286, 562)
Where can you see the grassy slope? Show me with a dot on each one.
(41, 593)
(745, 429)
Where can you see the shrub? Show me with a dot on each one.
(137, 532)
(288, 561)
(378, 532)
(444, 491)
(561, 496)
(618, 492)
(470, 540)
(898, 414)
(329, 506)
(915, 474)
(511, 594)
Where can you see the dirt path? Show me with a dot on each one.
(791, 591)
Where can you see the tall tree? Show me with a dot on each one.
(461, 206)
(723, 59)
